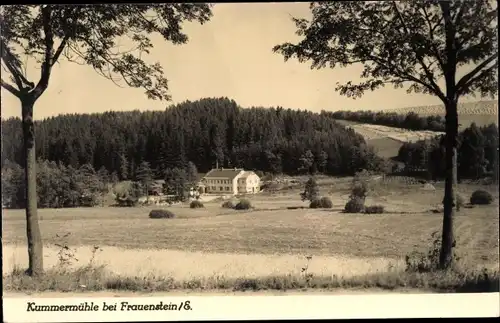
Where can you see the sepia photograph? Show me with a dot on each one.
(165, 157)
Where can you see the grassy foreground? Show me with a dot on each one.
(260, 242)
(90, 278)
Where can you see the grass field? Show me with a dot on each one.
(385, 147)
(268, 240)
(387, 140)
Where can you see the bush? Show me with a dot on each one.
(355, 205)
(243, 204)
(326, 203)
(196, 204)
(374, 209)
(359, 190)
(423, 262)
(322, 203)
(228, 205)
(359, 185)
(315, 204)
(481, 197)
(161, 214)
(311, 191)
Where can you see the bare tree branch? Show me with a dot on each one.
(8, 60)
(59, 50)
(404, 75)
(10, 88)
(429, 75)
(465, 80)
(432, 37)
(49, 47)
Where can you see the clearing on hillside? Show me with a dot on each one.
(481, 112)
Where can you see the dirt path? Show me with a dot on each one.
(213, 293)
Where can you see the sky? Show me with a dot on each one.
(230, 56)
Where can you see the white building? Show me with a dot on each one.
(248, 183)
(230, 181)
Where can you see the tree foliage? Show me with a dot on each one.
(410, 121)
(477, 154)
(58, 186)
(400, 42)
(91, 35)
(261, 141)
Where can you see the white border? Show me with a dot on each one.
(208, 307)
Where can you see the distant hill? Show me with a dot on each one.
(485, 108)
(481, 112)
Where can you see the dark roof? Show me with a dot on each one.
(229, 173)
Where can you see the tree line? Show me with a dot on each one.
(477, 154)
(64, 186)
(411, 120)
(207, 132)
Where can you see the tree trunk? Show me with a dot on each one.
(448, 240)
(35, 247)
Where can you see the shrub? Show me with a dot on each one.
(481, 197)
(243, 204)
(326, 203)
(228, 205)
(322, 203)
(161, 214)
(315, 204)
(374, 209)
(359, 190)
(423, 262)
(359, 185)
(196, 204)
(355, 205)
(311, 191)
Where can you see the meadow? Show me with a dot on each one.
(387, 140)
(269, 240)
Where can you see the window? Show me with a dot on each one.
(221, 188)
(227, 188)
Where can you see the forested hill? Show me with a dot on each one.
(266, 139)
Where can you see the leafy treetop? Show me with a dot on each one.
(398, 42)
(91, 35)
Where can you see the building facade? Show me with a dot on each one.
(248, 183)
(230, 181)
